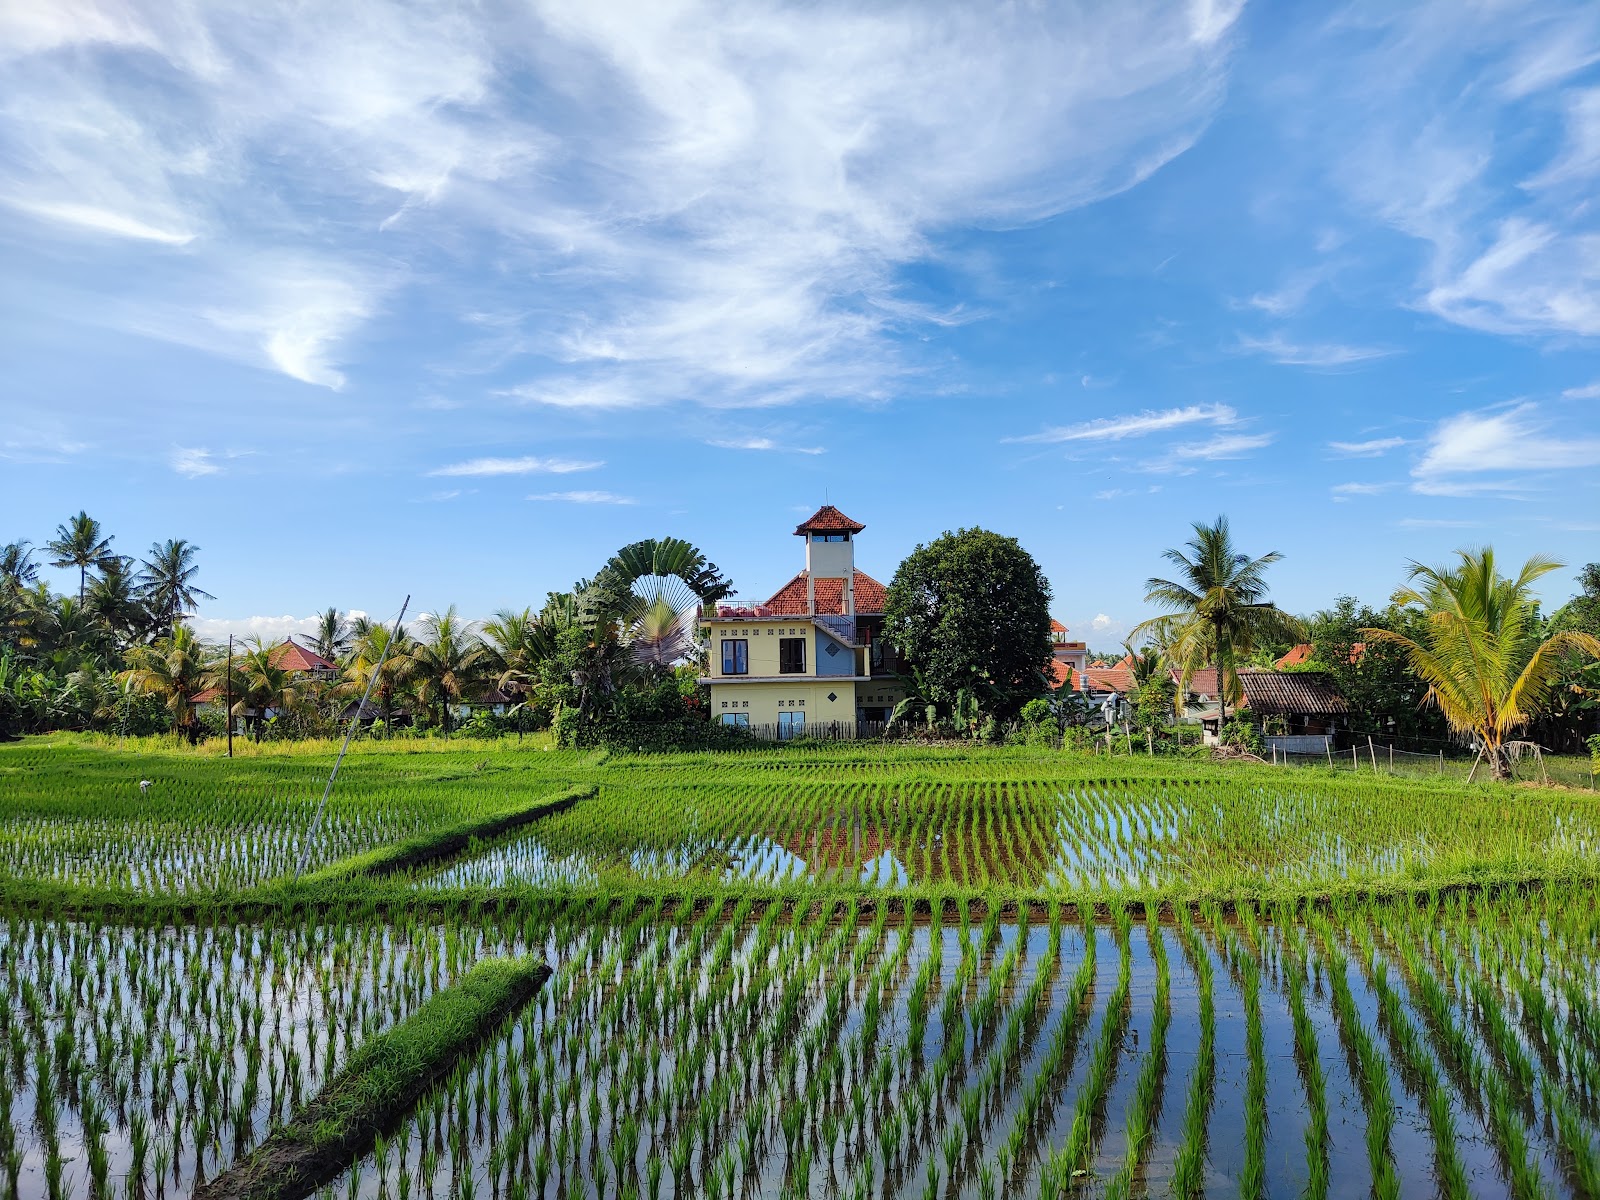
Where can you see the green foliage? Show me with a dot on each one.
(971, 612)
(1374, 676)
(1241, 734)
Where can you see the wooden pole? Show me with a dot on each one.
(1373, 753)
(1327, 746)
(230, 695)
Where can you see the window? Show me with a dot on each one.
(830, 537)
(735, 656)
(790, 724)
(791, 656)
(741, 719)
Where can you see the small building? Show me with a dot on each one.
(1298, 712)
(812, 657)
(289, 655)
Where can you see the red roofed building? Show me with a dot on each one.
(289, 655)
(813, 653)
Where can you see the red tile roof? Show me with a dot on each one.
(292, 656)
(1108, 679)
(1305, 650)
(828, 519)
(1056, 626)
(790, 599)
(1202, 683)
(1060, 672)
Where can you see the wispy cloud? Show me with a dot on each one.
(763, 443)
(584, 497)
(718, 211)
(1588, 392)
(1279, 349)
(1222, 447)
(1343, 491)
(1374, 448)
(1114, 429)
(193, 462)
(1493, 451)
(527, 465)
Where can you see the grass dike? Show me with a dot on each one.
(383, 1081)
(436, 846)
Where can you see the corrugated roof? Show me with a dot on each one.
(1290, 693)
(828, 519)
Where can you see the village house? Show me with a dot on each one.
(811, 658)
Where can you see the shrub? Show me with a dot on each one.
(1242, 735)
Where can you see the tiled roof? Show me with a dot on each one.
(292, 656)
(1290, 693)
(1056, 626)
(1305, 650)
(1060, 672)
(1202, 683)
(1108, 679)
(205, 695)
(790, 599)
(828, 519)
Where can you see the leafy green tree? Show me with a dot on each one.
(167, 582)
(332, 638)
(174, 668)
(369, 640)
(114, 602)
(80, 543)
(18, 571)
(1374, 677)
(971, 611)
(1570, 717)
(1482, 652)
(1216, 613)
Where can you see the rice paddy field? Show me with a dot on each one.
(826, 973)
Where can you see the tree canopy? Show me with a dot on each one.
(971, 612)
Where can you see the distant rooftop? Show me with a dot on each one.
(828, 519)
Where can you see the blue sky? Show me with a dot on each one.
(368, 299)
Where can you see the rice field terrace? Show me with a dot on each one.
(828, 973)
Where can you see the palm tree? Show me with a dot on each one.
(1486, 667)
(17, 568)
(167, 581)
(259, 684)
(114, 601)
(175, 667)
(333, 635)
(450, 662)
(660, 637)
(368, 640)
(78, 544)
(1216, 614)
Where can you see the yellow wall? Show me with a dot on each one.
(763, 701)
(764, 637)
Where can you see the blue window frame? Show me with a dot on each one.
(735, 656)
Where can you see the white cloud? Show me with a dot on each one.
(1343, 491)
(718, 206)
(1112, 429)
(762, 443)
(1483, 452)
(585, 497)
(268, 629)
(1589, 392)
(1372, 448)
(527, 465)
(193, 462)
(1101, 623)
(1280, 350)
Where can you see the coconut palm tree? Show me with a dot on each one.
(260, 684)
(368, 641)
(175, 668)
(17, 568)
(1215, 611)
(333, 635)
(79, 544)
(114, 601)
(167, 581)
(1487, 669)
(451, 662)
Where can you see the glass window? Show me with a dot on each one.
(830, 537)
(735, 656)
(792, 656)
(741, 719)
(790, 724)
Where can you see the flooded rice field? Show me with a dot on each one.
(759, 1051)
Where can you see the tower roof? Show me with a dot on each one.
(828, 519)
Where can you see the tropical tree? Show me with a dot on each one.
(174, 668)
(114, 601)
(17, 568)
(167, 581)
(260, 684)
(79, 543)
(332, 638)
(661, 637)
(1215, 612)
(449, 662)
(1481, 653)
(971, 612)
(372, 643)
